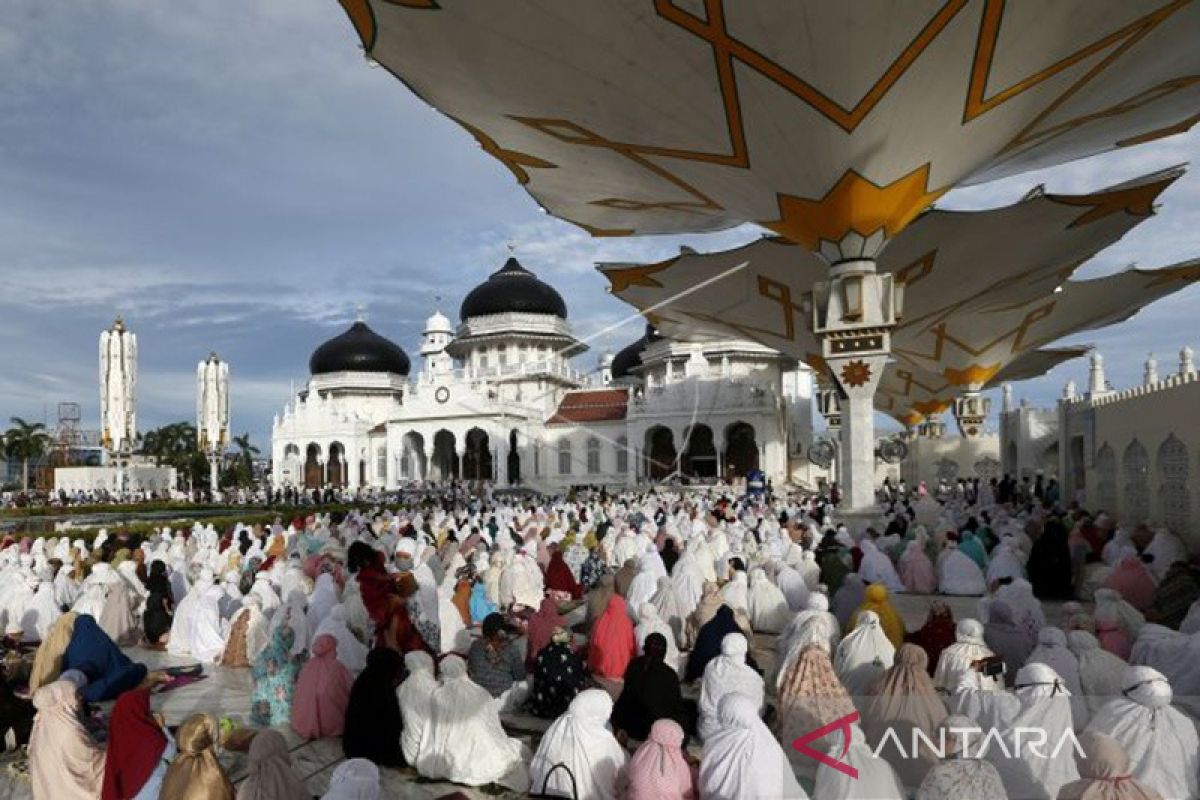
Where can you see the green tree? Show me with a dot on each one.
(246, 454)
(26, 441)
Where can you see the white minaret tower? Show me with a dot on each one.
(1150, 374)
(212, 413)
(1187, 364)
(1097, 385)
(439, 332)
(118, 395)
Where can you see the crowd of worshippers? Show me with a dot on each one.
(677, 644)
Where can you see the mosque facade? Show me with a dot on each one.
(499, 397)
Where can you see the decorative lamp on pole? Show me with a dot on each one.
(212, 413)
(118, 400)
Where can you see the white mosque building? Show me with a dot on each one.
(498, 398)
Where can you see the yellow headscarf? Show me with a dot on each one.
(195, 773)
(876, 599)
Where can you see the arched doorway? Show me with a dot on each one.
(337, 465)
(477, 460)
(660, 452)
(699, 454)
(741, 450)
(312, 467)
(414, 464)
(445, 460)
(514, 458)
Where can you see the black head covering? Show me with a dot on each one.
(373, 723)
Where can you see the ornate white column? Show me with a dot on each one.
(1097, 385)
(212, 413)
(1187, 366)
(118, 397)
(1150, 374)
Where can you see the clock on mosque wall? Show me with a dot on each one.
(442, 394)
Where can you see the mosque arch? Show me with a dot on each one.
(444, 464)
(477, 457)
(1174, 502)
(1106, 484)
(1135, 467)
(660, 452)
(699, 452)
(312, 466)
(741, 449)
(336, 468)
(514, 457)
(414, 463)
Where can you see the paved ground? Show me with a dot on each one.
(226, 693)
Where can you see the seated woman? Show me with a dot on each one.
(196, 774)
(415, 698)
(708, 642)
(274, 676)
(322, 692)
(580, 740)
(875, 779)
(247, 634)
(962, 773)
(64, 762)
(156, 619)
(743, 759)
(659, 770)
(139, 749)
(650, 692)
(465, 742)
(373, 724)
(727, 673)
(902, 702)
(355, 779)
(494, 660)
(558, 675)
(1104, 772)
(810, 696)
(269, 771)
(76, 642)
(612, 645)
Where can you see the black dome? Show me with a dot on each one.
(512, 288)
(359, 349)
(630, 357)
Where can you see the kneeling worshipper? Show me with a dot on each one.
(612, 645)
(938, 633)
(1040, 701)
(139, 750)
(743, 761)
(322, 692)
(767, 607)
(64, 761)
(958, 574)
(269, 771)
(916, 570)
(373, 724)
(902, 702)
(875, 600)
(195, 773)
(659, 770)
(76, 642)
(876, 779)
(350, 649)
(196, 628)
(877, 568)
(1104, 772)
(1052, 651)
(650, 692)
(650, 622)
(537, 631)
(1006, 639)
(158, 614)
(672, 610)
(1133, 580)
(274, 674)
(708, 642)
(1099, 670)
(415, 697)
(355, 779)
(247, 635)
(464, 741)
(1160, 742)
(962, 773)
(817, 607)
(847, 599)
(727, 673)
(118, 617)
(579, 740)
(810, 696)
(863, 655)
(558, 675)
(960, 658)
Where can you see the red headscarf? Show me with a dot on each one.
(135, 745)
(938, 633)
(613, 644)
(541, 626)
(559, 577)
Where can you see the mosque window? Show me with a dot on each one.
(564, 457)
(1174, 502)
(593, 455)
(1135, 467)
(622, 454)
(381, 463)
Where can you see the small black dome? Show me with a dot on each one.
(512, 288)
(630, 357)
(359, 349)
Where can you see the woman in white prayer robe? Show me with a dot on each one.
(66, 588)
(876, 567)
(185, 613)
(202, 637)
(1004, 563)
(727, 673)
(1167, 548)
(268, 598)
(863, 655)
(956, 660)
(138, 593)
(293, 613)
(642, 587)
(1040, 701)
(452, 631)
(582, 741)
(465, 742)
(415, 696)
(670, 610)
(1111, 605)
(41, 613)
(962, 774)
(743, 760)
(792, 584)
(958, 574)
(1052, 650)
(876, 779)
(1161, 742)
(768, 608)
(94, 591)
(119, 618)
(324, 597)
(817, 606)
(179, 581)
(736, 593)
(1099, 670)
(688, 581)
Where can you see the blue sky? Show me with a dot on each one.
(233, 176)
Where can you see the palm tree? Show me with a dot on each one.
(26, 441)
(246, 452)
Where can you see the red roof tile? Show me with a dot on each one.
(591, 405)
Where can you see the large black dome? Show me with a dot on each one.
(630, 357)
(359, 349)
(512, 288)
